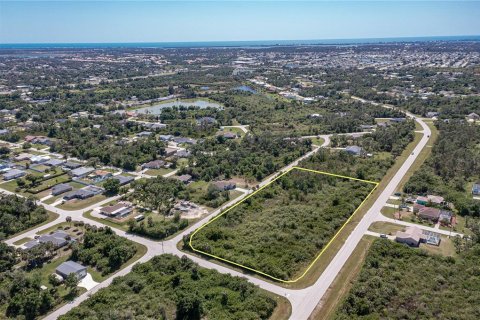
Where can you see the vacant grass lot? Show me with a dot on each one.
(280, 230)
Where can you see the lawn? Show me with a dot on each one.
(77, 204)
(158, 172)
(317, 141)
(280, 230)
(385, 227)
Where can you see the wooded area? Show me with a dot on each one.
(168, 287)
(280, 229)
(398, 282)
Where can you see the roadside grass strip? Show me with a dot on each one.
(257, 223)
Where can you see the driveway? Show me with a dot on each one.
(87, 282)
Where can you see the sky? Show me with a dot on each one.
(183, 21)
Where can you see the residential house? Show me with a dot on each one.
(3, 132)
(155, 164)
(355, 150)
(39, 159)
(84, 193)
(181, 140)
(206, 121)
(13, 174)
(412, 236)
(54, 162)
(72, 165)
(183, 154)
(81, 172)
(120, 209)
(224, 185)
(429, 213)
(23, 157)
(69, 267)
(100, 175)
(476, 188)
(435, 199)
(398, 120)
(165, 137)
(473, 117)
(61, 188)
(445, 217)
(432, 114)
(58, 238)
(144, 134)
(227, 135)
(170, 151)
(186, 178)
(80, 194)
(422, 200)
(123, 180)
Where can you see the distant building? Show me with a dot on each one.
(476, 188)
(123, 180)
(81, 172)
(54, 162)
(13, 174)
(429, 213)
(355, 150)
(170, 151)
(120, 209)
(72, 165)
(186, 178)
(69, 267)
(61, 188)
(58, 238)
(155, 164)
(224, 185)
(183, 154)
(411, 236)
(100, 175)
(228, 135)
(473, 116)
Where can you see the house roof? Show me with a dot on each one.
(123, 179)
(13, 173)
(62, 187)
(68, 267)
(413, 233)
(54, 162)
(353, 149)
(429, 212)
(81, 171)
(184, 178)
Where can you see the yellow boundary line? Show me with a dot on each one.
(252, 194)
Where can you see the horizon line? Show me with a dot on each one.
(12, 45)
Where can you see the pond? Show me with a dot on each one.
(157, 109)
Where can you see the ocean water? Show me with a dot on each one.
(223, 44)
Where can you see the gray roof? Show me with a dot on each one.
(70, 267)
(13, 173)
(72, 165)
(61, 188)
(81, 193)
(123, 179)
(353, 149)
(54, 162)
(82, 171)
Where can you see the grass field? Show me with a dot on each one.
(278, 232)
(77, 204)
